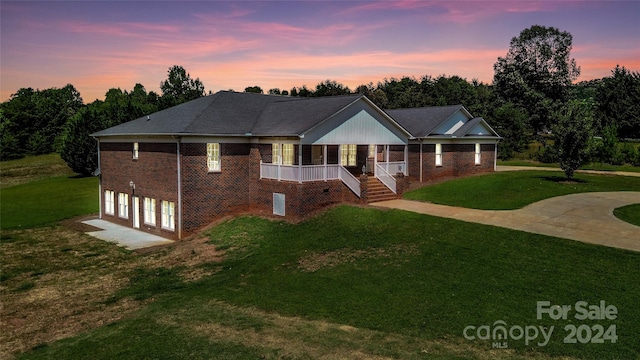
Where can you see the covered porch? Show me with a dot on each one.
(344, 162)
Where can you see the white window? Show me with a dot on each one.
(438, 154)
(123, 205)
(135, 150)
(168, 215)
(478, 154)
(149, 211)
(287, 154)
(213, 156)
(278, 204)
(275, 153)
(348, 155)
(372, 151)
(109, 202)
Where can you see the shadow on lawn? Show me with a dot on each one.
(562, 180)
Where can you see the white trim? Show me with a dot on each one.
(168, 215)
(149, 211)
(99, 181)
(109, 206)
(123, 205)
(420, 161)
(438, 154)
(179, 192)
(214, 161)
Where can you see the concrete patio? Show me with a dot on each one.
(128, 238)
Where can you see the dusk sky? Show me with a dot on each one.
(98, 45)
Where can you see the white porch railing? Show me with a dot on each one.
(348, 179)
(386, 178)
(299, 173)
(310, 173)
(394, 167)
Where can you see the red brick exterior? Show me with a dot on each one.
(237, 187)
(154, 174)
(207, 196)
(301, 199)
(457, 160)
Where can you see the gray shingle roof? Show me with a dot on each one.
(420, 122)
(232, 113)
(228, 113)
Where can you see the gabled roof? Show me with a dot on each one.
(231, 113)
(470, 128)
(452, 121)
(420, 122)
(297, 117)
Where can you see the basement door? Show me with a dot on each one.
(136, 212)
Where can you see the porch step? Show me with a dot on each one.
(377, 191)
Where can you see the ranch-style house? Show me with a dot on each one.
(174, 171)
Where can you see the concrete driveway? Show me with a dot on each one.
(586, 217)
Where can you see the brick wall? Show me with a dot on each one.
(154, 174)
(301, 200)
(207, 196)
(457, 160)
(237, 187)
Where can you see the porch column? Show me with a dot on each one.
(420, 160)
(324, 161)
(387, 157)
(300, 163)
(406, 160)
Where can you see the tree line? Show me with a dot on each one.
(532, 94)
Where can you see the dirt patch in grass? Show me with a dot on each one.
(288, 337)
(57, 281)
(330, 259)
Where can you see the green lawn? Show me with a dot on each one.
(351, 282)
(46, 201)
(30, 168)
(516, 189)
(629, 213)
(383, 283)
(591, 166)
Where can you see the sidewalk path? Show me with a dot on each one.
(599, 172)
(586, 217)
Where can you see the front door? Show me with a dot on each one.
(136, 212)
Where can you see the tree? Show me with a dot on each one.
(403, 93)
(79, 150)
(331, 88)
(253, 89)
(274, 91)
(618, 102)
(33, 120)
(537, 72)
(509, 122)
(572, 136)
(377, 96)
(180, 87)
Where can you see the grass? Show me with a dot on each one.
(590, 166)
(629, 213)
(374, 283)
(516, 189)
(42, 190)
(47, 201)
(350, 283)
(30, 168)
